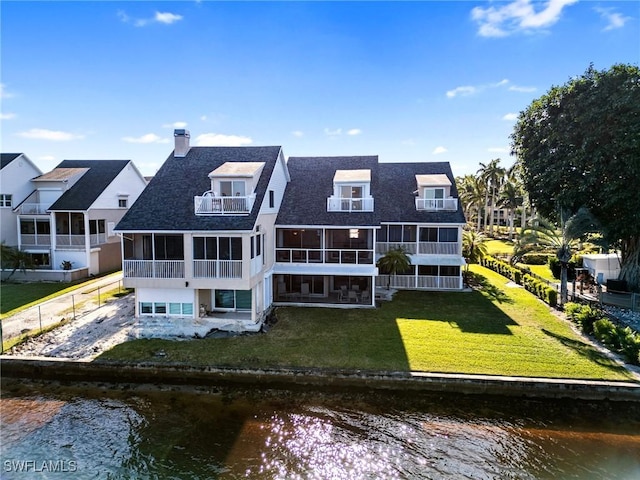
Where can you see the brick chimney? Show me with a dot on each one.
(182, 142)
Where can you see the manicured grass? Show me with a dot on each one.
(499, 247)
(499, 330)
(15, 297)
(542, 270)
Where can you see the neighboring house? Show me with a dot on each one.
(602, 266)
(331, 231)
(69, 216)
(15, 185)
(224, 233)
(200, 237)
(326, 231)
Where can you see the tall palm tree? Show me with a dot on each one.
(393, 262)
(492, 174)
(471, 191)
(563, 239)
(510, 197)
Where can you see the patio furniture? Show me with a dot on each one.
(304, 290)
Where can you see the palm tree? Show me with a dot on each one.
(474, 246)
(471, 191)
(510, 197)
(393, 262)
(564, 239)
(15, 259)
(492, 175)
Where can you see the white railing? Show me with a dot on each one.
(329, 255)
(35, 239)
(420, 281)
(208, 204)
(217, 268)
(433, 204)
(423, 248)
(97, 238)
(153, 268)
(33, 208)
(70, 241)
(338, 204)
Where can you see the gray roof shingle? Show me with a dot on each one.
(397, 184)
(305, 200)
(7, 158)
(166, 204)
(89, 187)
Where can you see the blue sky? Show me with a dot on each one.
(407, 81)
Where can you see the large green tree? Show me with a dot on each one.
(579, 146)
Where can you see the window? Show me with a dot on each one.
(122, 202)
(233, 299)
(96, 226)
(434, 193)
(433, 234)
(449, 271)
(217, 248)
(234, 188)
(5, 200)
(169, 247)
(272, 199)
(428, 270)
(448, 234)
(146, 308)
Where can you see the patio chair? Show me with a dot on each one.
(366, 296)
(353, 296)
(304, 290)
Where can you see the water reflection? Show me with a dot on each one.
(228, 434)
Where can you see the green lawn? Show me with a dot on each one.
(16, 295)
(499, 330)
(542, 270)
(499, 247)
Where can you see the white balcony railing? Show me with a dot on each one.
(420, 281)
(35, 240)
(217, 268)
(422, 248)
(33, 208)
(329, 255)
(338, 204)
(210, 204)
(97, 238)
(70, 241)
(153, 268)
(435, 204)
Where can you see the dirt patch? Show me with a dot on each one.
(85, 337)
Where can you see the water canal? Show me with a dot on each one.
(51, 430)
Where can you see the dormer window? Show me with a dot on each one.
(351, 191)
(232, 190)
(434, 193)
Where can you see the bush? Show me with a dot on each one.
(555, 267)
(587, 317)
(536, 258)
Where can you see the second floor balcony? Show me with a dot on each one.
(210, 203)
(436, 204)
(33, 208)
(329, 255)
(153, 268)
(421, 248)
(340, 204)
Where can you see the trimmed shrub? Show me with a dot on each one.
(556, 267)
(536, 258)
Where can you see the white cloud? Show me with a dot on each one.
(297, 133)
(464, 91)
(510, 117)
(354, 131)
(516, 16)
(614, 19)
(498, 150)
(165, 18)
(221, 140)
(7, 116)
(203, 118)
(333, 133)
(148, 138)
(175, 125)
(53, 135)
(439, 150)
(474, 89)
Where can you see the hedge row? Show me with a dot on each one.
(592, 321)
(540, 289)
(536, 258)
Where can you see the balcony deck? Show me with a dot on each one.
(208, 204)
(339, 204)
(436, 204)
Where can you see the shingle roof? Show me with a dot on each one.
(92, 183)
(166, 204)
(305, 200)
(7, 158)
(398, 184)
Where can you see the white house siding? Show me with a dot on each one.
(15, 180)
(128, 182)
(166, 296)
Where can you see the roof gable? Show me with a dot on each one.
(7, 158)
(99, 174)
